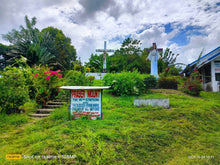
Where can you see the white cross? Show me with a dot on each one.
(104, 57)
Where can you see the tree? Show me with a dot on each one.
(66, 53)
(129, 46)
(3, 56)
(50, 46)
(169, 57)
(95, 61)
(129, 57)
(30, 43)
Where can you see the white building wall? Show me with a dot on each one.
(215, 84)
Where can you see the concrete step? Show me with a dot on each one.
(61, 100)
(56, 100)
(39, 115)
(44, 111)
(52, 106)
(55, 103)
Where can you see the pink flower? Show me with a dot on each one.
(195, 70)
(54, 72)
(48, 77)
(60, 76)
(45, 73)
(35, 75)
(58, 70)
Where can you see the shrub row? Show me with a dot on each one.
(133, 83)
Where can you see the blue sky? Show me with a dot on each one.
(186, 27)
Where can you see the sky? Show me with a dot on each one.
(186, 27)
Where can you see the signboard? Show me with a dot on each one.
(86, 102)
(217, 66)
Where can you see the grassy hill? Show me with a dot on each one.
(186, 133)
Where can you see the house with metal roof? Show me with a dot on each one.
(209, 67)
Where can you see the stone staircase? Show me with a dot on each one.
(47, 109)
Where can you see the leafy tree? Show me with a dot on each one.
(129, 47)
(169, 58)
(129, 57)
(3, 56)
(66, 53)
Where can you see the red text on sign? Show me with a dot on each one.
(93, 93)
(78, 94)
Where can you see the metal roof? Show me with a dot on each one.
(204, 59)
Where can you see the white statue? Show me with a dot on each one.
(154, 56)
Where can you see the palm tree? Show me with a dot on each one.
(29, 42)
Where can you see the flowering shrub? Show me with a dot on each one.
(167, 83)
(47, 81)
(193, 85)
(43, 97)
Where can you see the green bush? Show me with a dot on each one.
(76, 78)
(173, 72)
(150, 82)
(125, 83)
(14, 91)
(167, 83)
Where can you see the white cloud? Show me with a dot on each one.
(89, 23)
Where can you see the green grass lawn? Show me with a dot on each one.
(186, 133)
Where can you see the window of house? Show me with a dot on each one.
(217, 76)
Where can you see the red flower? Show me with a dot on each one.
(195, 70)
(48, 77)
(167, 69)
(35, 75)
